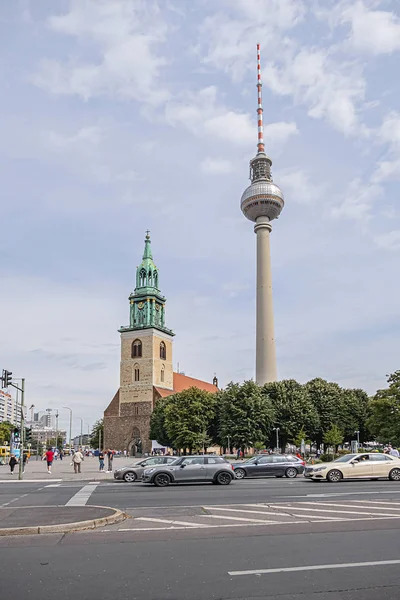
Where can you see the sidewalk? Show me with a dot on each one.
(55, 519)
(36, 470)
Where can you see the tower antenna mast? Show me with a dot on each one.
(260, 145)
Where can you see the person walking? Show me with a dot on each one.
(101, 461)
(77, 461)
(49, 459)
(110, 456)
(394, 452)
(61, 455)
(12, 462)
(24, 461)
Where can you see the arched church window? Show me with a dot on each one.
(163, 351)
(162, 373)
(137, 373)
(155, 279)
(136, 349)
(142, 278)
(150, 277)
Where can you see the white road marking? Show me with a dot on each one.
(26, 480)
(236, 519)
(171, 521)
(339, 512)
(53, 485)
(376, 563)
(379, 502)
(353, 506)
(81, 497)
(14, 500)
(288, 514)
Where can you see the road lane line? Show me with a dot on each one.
(236, 519)
(380, 502)
(171, 521)
(376, 563)
(288, 514)
(348, 506)
(81, 497)
(339, 512)
(53, 485)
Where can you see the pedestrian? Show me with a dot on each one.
(110, 456)
(77, 461)
(101, 460)
(49, 458)
(394, 452)
(24, 461)
(12, 462)
(61, 455)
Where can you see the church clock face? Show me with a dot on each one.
(157, 307)
(140, 305)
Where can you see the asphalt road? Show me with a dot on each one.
(327, 559)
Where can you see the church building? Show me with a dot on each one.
(146, 371)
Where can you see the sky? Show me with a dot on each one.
(118, 116)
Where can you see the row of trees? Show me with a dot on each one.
(245, 415)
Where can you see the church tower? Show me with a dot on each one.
(146, 357)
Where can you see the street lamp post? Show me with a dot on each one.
(81, 420)
(277, 437)
(56, 429)
(70, 428)
(358, 437)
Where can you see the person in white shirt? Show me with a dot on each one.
(77, 460)
(394, 452)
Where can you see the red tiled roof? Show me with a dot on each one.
(183, 382)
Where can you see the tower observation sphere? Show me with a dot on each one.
(262, 202)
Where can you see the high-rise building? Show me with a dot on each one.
(146, 368)
(10, 409)
(262, 202)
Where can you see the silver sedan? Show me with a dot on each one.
(135, 472)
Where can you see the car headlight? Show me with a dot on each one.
(149, 471)
(318, 469)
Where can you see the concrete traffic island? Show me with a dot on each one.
(31, 520)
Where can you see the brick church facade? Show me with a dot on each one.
(146, 370)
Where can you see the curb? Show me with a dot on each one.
(117, 517)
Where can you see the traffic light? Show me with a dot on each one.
(16, 435)
(28, 435)
(6, 378)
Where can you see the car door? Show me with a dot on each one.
(264, 466)
(360, 467)
(381, 464)
(191, 468)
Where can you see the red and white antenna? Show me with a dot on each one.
(260, 144)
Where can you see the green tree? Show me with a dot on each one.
(98, 428)
(333, 437)
(352, 413)
(302, 435)
(158, 429)
(246, 415)
(187, 418)
(293, 410)
(384, 419)
(327, 398)
(5, 432)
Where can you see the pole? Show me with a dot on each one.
(81, 431)
(56, 430)
(21, 445)
(100, 439)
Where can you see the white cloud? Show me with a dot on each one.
(389, 134)
(372, 31)
(388, 241)
(127, 64)
(299, 187)
(84, 138)
(216, 166)
(358, 201)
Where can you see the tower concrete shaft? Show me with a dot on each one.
(265, 338)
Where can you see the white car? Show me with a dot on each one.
(356, 466)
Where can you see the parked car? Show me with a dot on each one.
(275, 465)
(356, 466)
(187, 469)
(134, 472)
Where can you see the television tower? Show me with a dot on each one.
(262, 202)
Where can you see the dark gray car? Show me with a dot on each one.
(273, 465)
(135, 472)
(187, 469)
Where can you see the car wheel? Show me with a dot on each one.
(162, 480)
(224, 478)
(394, 475)
(130, 477)
(291, 472)
(334, 476)
(240, 473)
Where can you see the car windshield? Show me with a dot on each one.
(250, 460)
(345, 458)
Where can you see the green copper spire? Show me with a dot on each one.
(147, 305)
